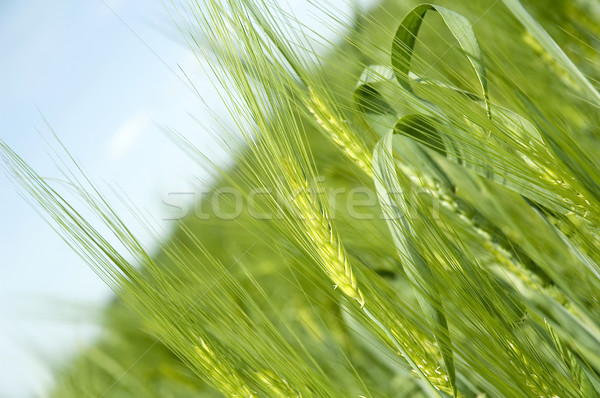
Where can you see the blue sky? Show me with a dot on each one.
(106, 93)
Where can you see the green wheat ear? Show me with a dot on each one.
(476, 270)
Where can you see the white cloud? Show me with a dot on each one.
(127, 135)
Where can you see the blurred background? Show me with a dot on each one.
(106, 77)
(102, 76)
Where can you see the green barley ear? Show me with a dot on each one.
(572, 362)
(223, 377)
(546, 41)
(277, 386)
(330, 253)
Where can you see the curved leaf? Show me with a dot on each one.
(395, 208)
(426, 125)
(460, 27)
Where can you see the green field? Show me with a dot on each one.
(413, 213)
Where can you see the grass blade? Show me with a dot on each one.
(460, 27)
(395, 208)
(548, 43)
